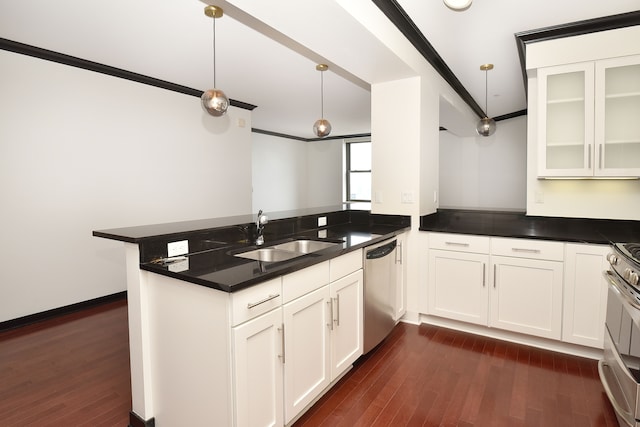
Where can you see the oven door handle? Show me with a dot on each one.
(626, 416)
(613, 282)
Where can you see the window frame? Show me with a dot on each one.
(349, 171)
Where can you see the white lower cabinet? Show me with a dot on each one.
(256, 357)
(526, 296)
(401, 274)
(323, 328)
(511, 284)
(307, 369)
(458, 286)
(257, 370)
(347, 330)
(585, 294)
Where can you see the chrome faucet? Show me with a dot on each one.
(261, 220)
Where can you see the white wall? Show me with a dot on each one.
(291, 174)
(82, 151)
(485, 172)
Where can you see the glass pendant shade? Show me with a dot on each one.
(486, 127)
(458, 5)
(215, 102)
(322, 128)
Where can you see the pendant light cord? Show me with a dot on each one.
(214, 52)
(486, 91)
(322, 94)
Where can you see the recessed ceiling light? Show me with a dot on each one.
(458, 5)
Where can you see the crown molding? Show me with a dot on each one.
(571, 29)
(61, 58)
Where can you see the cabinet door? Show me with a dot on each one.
(346, 326)
(307, 367)
(458, 285)
(585, 294)
(617, 109)
(526, 296)
(401, 287)
(257, 370)
(565, 120)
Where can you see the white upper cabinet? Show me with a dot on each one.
(617, 109)
(588, 119)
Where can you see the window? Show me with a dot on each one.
(358, 171)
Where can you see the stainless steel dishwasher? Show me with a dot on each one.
(379, 292)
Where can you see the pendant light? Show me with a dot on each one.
(214, 101)
(458, 5)
(486, 126)
(322, 127)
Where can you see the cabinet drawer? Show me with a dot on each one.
(345, 264)
(302, 282)
(527, 248)
(459, 242)
(256, 300)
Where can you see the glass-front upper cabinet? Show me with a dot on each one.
(565, 121)
(617, 110)
(589, 119)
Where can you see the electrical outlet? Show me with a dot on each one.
(322, 221)
(407, 196)
(177, 248)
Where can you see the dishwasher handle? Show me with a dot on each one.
(382, 251)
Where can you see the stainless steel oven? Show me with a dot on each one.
(620, 367)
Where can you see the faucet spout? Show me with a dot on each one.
(261, 220)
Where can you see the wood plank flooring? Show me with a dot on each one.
(69, 371)
(74, 371)
(430, 376)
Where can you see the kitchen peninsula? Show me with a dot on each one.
(209, 330)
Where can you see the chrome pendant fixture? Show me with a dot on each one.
(322, 127)
(486, 126)
(214, 101)
(458, 5)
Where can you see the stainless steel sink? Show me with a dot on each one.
(269, 255)
(286, 251)
(304, 246)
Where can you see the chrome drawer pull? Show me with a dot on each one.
(269, 298)
(466, 245)
(330, 324)
(337, 299)
(530, 251)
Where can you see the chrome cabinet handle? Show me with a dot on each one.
(337, 299)
(466, 245)
(330, 324)
(494, 276)
(589, 152)
(484, 271)
(281, 356)
(399, 254)
(600, 156)
(262, 301)
(529, 251)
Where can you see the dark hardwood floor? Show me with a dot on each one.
(69, 371)
(430, 376)
(74, 371)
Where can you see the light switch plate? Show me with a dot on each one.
(177, 248)
(322, 221)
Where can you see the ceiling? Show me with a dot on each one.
(266, 52)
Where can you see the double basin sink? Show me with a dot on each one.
(287, 250)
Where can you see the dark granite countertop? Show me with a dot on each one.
(520, 225)
(213, 244)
